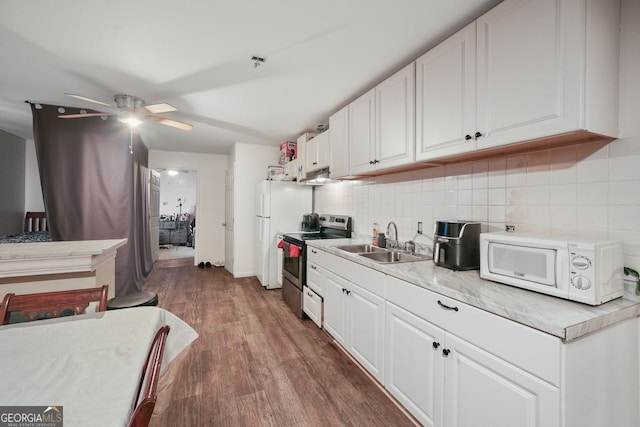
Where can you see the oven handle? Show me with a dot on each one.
(301, 262)
(287, 249)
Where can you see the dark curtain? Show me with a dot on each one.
(94, 187)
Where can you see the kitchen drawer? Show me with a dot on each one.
(317, 256)
(365, 277)
(312, 305)
(316, 277)
(534, 351)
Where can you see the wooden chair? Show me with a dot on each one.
(35, 221)
(32, 306)
(147, 391)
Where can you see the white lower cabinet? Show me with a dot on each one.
(335, 307)
(453, 365)
(365, 332)
(481, 389)
(355, 318)
(445, 381)
(414, 365)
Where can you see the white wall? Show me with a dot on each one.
(250, 167)
(33, 199)
(210, 198)
(591, 187)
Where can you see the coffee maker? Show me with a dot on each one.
(310, 222)
(456, 245)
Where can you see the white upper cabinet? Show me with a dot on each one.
(446, 97)
(533, 60)
(362, 134)
(339, 143)
(291, 170)
(395, 119)
(382, 125)
(542, 68)
(317, 152)
(324, 151)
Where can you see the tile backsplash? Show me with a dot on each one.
(591, 188)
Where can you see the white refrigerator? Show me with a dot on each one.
(280, 206)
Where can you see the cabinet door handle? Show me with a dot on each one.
(445, 352)
(446, 307)
(467, 137)
(436, 344)
(315, 163)
(313, 267)
(313, 251)
(478, 135)
(370, 162)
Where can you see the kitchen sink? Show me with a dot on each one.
(393, 256)
(358, 249)
(381, 255)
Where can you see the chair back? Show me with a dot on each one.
(53, 304)
(147, 391)
(35, 221)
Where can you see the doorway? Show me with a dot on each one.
(177, 213)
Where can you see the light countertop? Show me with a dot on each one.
(26, 259)
(58, 249)
(565, 319)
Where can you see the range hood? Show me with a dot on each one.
(319, 177)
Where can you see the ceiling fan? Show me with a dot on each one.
(131, 110)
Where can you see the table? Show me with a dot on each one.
(88, 364)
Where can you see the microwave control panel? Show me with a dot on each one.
(581, 271)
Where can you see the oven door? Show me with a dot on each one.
(293, 263)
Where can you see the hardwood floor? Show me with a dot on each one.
(255, 363)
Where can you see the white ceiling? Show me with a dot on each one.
(195, 55)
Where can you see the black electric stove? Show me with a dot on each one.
(294, 257)
(331, 227)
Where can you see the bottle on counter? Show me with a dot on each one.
(375, 234)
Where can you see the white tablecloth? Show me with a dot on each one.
(88, 364)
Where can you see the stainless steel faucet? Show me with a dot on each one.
(392, 239)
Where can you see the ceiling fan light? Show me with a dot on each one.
(131, 121)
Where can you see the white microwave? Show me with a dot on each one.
(578, 269)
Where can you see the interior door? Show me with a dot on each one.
(154, 213)
(228, 220)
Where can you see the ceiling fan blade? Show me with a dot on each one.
(84, 98)
(173, 123)
(79, 116)
(157, 108)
